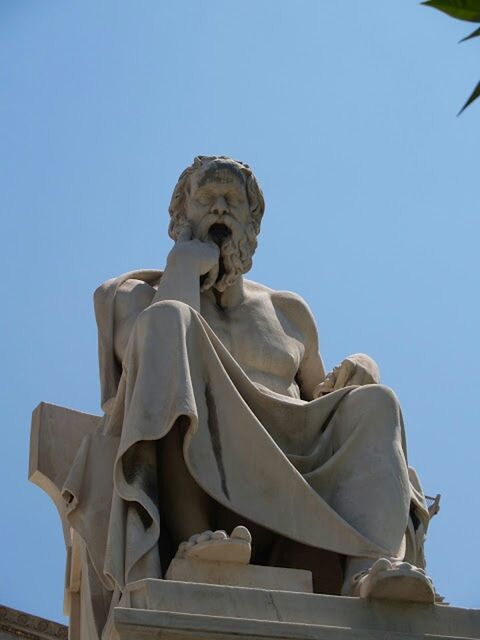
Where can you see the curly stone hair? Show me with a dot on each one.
(177, 203)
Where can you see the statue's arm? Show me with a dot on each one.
(311, 371)
(188, 259)
(298, 316)
(356, 369)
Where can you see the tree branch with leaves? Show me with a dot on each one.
(469, 11)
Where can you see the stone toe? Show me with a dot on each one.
(241, 533)
(203, 537)
(219, 535)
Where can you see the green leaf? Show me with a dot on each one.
(473, 96)
(468, 10)
(474, 34)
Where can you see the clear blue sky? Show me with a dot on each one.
(346, 111)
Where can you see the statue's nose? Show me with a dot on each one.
(220, 206)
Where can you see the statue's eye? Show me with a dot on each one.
(235, 199)
(203, 199)
(232, 200)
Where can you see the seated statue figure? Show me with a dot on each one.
(219, 415)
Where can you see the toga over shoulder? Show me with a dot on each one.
(104, 303)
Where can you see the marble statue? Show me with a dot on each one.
(220, 417)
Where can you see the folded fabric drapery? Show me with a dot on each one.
(330, 473)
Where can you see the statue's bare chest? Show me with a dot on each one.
(264, 344)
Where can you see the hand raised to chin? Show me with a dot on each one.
(193, 254)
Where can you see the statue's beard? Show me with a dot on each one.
(237, 243)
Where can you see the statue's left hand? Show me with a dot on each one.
(357, 369)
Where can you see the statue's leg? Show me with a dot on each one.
(163, 334)
(326, 566)
(185, 507)
(187, 510)
(366, 478)
(369, 484)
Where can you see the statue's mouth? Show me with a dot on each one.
(219, 232)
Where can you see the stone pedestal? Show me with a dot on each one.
(207, 601)
(172, 610)
(240, 575)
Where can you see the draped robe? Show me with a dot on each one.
(309, 471)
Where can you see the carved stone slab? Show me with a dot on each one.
(55, 437)
(167, 609)
(149, 625)
(240, 575)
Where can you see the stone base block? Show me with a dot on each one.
(154, 609)
(240, 575)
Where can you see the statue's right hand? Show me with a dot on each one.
(193, 254)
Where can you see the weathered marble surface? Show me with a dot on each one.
(218, 413)
(240, 575)
(201, 611)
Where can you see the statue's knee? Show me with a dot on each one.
(374, 397)
(377, 405)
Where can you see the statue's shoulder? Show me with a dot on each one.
(290, 304)
(132, 282)
(126, 294)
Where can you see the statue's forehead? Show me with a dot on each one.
(222, 173)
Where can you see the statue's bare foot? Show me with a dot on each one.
(398, 581)
(217, 546)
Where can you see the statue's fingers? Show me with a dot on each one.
(185, 233)
(322, 392)
(324, 387)
(213, 246)
(210, 278)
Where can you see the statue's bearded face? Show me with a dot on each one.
(217, 209)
